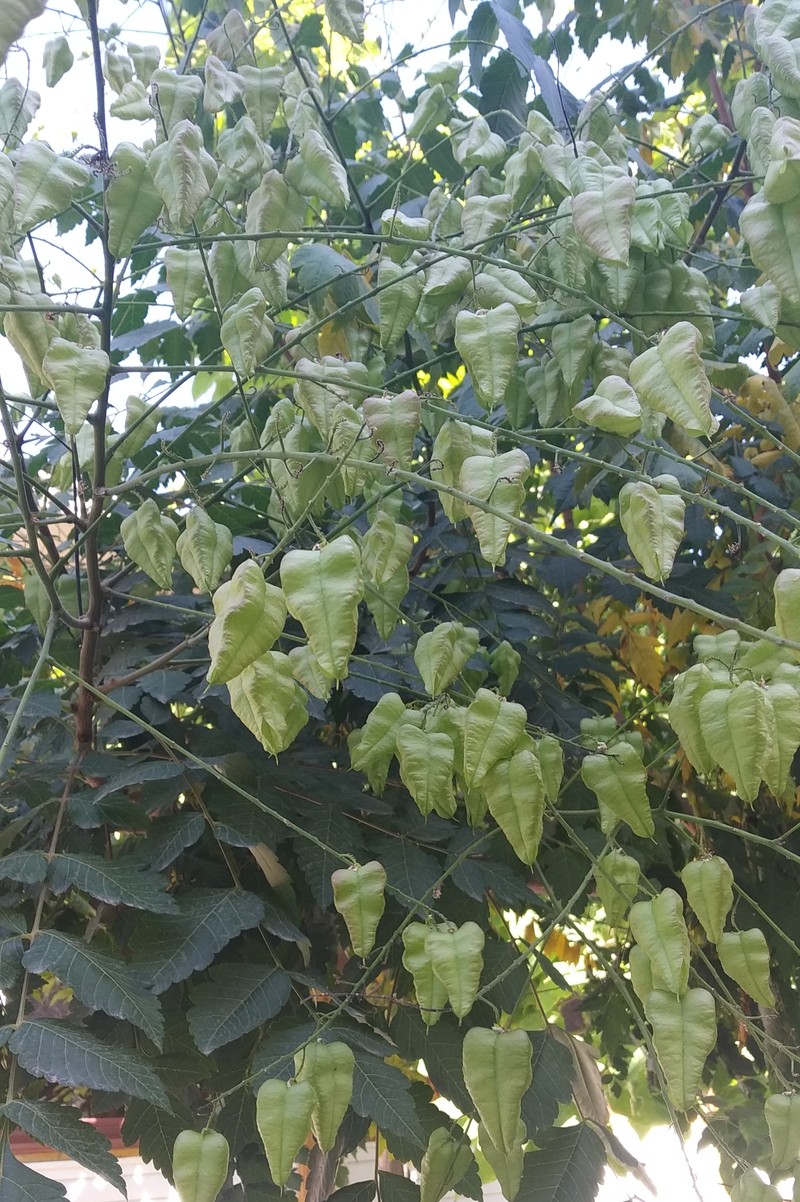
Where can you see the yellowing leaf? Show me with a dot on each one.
(426, 768)
(602, 217)
(393, 422)
(493, 728)
(132, 201)
(316, 171)
(186, 277)
(441, 653)
(613, 407)
(456, 442)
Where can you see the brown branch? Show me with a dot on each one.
(716, 204)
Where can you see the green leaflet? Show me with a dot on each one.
(613, 407)
(652, 518)
(709, 891)
(493, 728)
(736, 728)
(372, 747)
(205, 548)
(515, 794)
(782, 1112)
(431, 993)
(347, 18)
(14, 16)
(268, 700)
(684, 1034)
(689, 688)
(659, 929)
(487, 342)
(175, 99)
(186, 278)
(441, 654)
(786, 595)
(445, 1162)
(183, 172)
(358, 895)
(118, 70)
(752, 1188)
(671, 379)
(426, 768)
(78, 376)
(200, 1165)
(507, 1167)
(260, 95)
(456, 442)
(247, 333)
(617, 883)
(478, 146)
(618, 779)
(771, 231)
(385, 547)
(249, 617)
(329, 1068)
(149, 538)
(283, 1118)
(145, 60)
(499, 481)
(497, 1073)
(57, 61)
(396, 224)
(573, 348)
(456, 954)
(602, 217)
(398, 300)
(45, 184)
(271, 207)
(323, 588)
(393, 422)
(317, 172)
(132, 201)
(744, 956)
(551, 763)
(504, 661)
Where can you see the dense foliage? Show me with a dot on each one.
(400, 608)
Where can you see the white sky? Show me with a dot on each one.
(65, 119)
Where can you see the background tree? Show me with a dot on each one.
(392, 674)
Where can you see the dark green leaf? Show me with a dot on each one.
(61, 1052)
(503, 958)
(12, 920)
(569, 1168)
(99, 979)
(440, 1048)
(380, 1093)
(168, 837)
(411, 871)
(238, 998)
(10, 961)
(111, 881)
(154, 1131)
(394, 1188)
(18, 1183)
(551, 1085)
(27, 867)
(359, 1191)
(61, 1128)
(170, 949)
